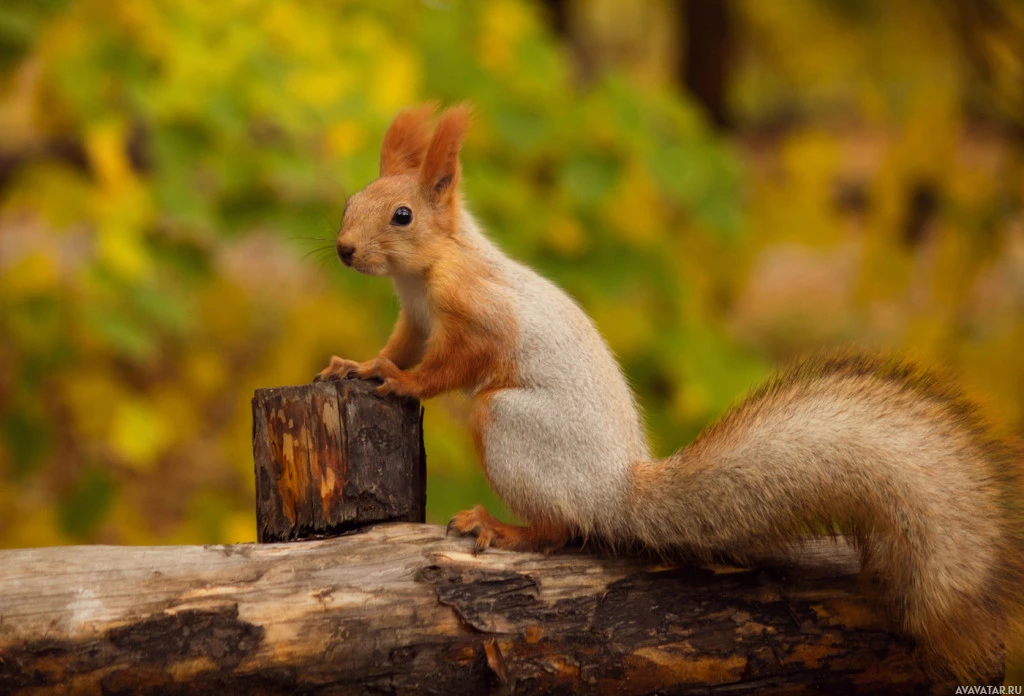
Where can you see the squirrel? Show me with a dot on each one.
(874, 448)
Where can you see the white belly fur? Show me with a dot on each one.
(552, 453)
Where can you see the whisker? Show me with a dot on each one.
(323, 260)
(375, 236)
(319, 250)
(330, 225)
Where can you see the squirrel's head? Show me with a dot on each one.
(393, 226)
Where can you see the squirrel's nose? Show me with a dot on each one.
(345, 253)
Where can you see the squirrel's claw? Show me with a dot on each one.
(492, 533)
(379, 368)
(390, 386)
(338, 369)
(369, 370)
(473, 523)
(483, 541)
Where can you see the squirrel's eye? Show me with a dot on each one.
(402, 216)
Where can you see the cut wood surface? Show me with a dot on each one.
(334, 456)
(401, 609)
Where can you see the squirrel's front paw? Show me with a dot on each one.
(390, 386)
(395, 380)
(398, 387)
(378, 368)
(339, 368)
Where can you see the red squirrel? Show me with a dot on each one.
(874, 448)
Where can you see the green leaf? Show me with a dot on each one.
(122, 333)
(590, 175)
(84, 507)
(27, 438)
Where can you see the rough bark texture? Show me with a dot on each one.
(333, 456)
(401, 609)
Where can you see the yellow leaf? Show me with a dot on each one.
(105, 144)
(138, 434)
(691, 403)
(19, 106)
(90, 396)
(121, 205)
(120, 249)
(565, 236)
(396, 80)
(205, 371)
(240, 528)
(635, 208)
(503, 24)
(33, 274)
(34, 525)
(34, 192)
(624, 324)
(345, 138)
(125, 517)
(320, 87)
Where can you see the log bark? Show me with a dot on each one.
(401, 609)
(334, 456)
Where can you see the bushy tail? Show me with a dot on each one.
(880, 451)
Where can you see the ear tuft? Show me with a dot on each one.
(439, 174)
(406, 140)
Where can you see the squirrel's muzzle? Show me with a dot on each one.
(345, 253)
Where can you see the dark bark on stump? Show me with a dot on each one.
(334, 456)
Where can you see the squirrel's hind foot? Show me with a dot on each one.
(491, 532)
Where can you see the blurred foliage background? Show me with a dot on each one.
(721, 185)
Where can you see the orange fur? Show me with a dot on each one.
(340, 368)
(430, 190)
(406, 141)
(472, 342)
(406, 344)
(468, 349)
(403, 350)
(479, 419)
(490, 532)
(440, 173)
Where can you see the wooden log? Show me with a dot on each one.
(334, 456)
(401, 609)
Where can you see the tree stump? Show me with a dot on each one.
(335, 456)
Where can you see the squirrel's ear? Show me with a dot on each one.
(406, 140)
(439, 174)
